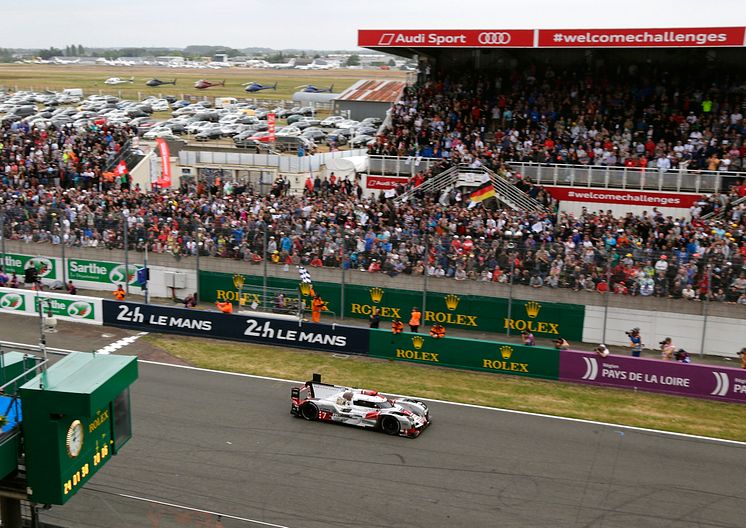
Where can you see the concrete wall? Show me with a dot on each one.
(723, 336)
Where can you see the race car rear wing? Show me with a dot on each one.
(316, 389)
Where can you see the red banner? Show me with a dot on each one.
(617, 196)
(446, 38)
(641, 38)
(385, 182)
(271, 120)
(165, 154)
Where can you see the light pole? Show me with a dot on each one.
(126, 251)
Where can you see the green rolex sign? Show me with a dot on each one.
(465, 312)
(101, 271)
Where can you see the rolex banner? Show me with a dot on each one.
(472, 354)
(466, 312)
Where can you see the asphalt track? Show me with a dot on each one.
(227, 443)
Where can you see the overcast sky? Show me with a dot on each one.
(324, 24)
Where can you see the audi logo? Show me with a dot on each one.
(499, 38)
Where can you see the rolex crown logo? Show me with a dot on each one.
(506, 351)
(305, 288)
(452, 301)
(238, 281)
(532, 309)
(418, 341)
(376, 294)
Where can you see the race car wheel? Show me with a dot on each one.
(309, 411)
(390, 425)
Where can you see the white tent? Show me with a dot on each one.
(342, 167)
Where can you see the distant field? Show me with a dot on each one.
(91, 79)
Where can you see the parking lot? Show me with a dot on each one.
(225, 120)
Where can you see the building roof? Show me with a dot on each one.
(373, 91)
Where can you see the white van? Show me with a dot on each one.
(73, 92)
(225, 102)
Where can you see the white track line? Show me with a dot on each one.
(179, 506)
(116, 345)
(474, 406)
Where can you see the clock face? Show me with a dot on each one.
(74, 440)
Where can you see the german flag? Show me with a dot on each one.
(484, 191)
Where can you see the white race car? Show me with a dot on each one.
(362, 408)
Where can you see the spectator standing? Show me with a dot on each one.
(316, 306)
(375, 317)
(414, 320)
(602, 350)
(119, 293)
(191, 300)
(438, 331)
(667, 349)
(635, 341)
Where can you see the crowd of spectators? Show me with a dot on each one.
(64, 156)
(331, 225)
(612, 115)
(54, 190)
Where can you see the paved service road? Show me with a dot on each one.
(227, 443)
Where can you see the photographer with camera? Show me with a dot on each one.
(667, 349)
(635, 341)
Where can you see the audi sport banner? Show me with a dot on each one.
(236, 327)
(616, 196)
(551, 38)
(385, 182)
(446, 38)
(641, 38)
(682, 379)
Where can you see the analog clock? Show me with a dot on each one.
(74, 440)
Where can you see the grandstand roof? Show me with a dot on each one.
(373, 91)
(404, 41)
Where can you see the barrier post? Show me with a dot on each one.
(126, 253)
(510, 292)
(606, 297)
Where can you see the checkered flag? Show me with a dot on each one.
(305, 277)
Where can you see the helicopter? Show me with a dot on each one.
(310, 88)
(118, 80)
(203, 84)
(157, 82)
(252, 87)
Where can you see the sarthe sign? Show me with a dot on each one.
(236, 327)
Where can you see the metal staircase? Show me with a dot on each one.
(720, 213)
(465, 176)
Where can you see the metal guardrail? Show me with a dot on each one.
(632, 178)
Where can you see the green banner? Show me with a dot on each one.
(12, 301)
(78, 309)
(101, 271)
(45, 266)
(466, 312)
(504, 358)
